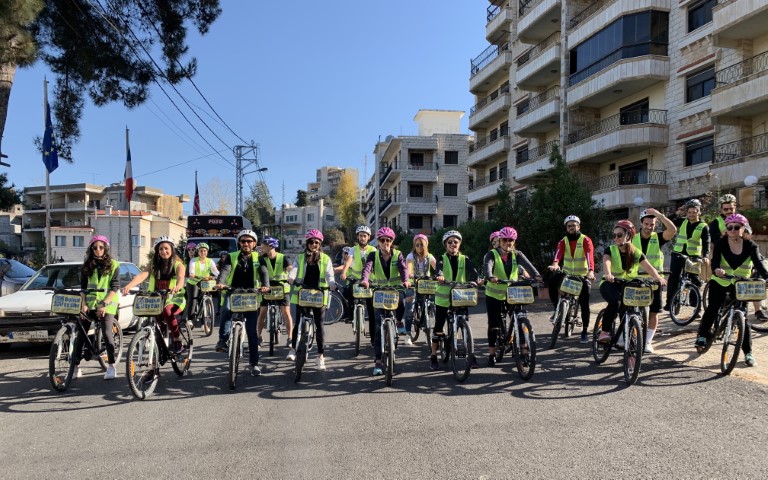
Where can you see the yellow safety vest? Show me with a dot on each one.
(323, 264)
(693, 244)
(443, 294)
(616, 269)
(575, 264)
(355, 270)
(378, 278)
(743, 270)
(179, 299)
(102, 282)
(277, 273)
(499, 290)
(199, 270)
(654, 255)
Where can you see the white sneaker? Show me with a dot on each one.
(552, 318)
(408, 341)
(78, 373)
(110, 373)
(320, 363)
(291, 355)
(648, 348)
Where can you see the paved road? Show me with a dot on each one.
(572, 420)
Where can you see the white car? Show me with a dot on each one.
(25, 316)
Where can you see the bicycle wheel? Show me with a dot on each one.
(685, 305)
(759, 325)
(427, 321)
(501, 339)
(560, 315)
(389, 352)
(235, 341)
(732, 341)
(142, 364)
(416, 323)
(633, 350)
(525, 358)
(61, 364)
(208, 316)
(100, 343)
(462, 350)
(301, 357)
(180, 363)
(600, 351)
(335, 308)
(358, 325)
(705, 296)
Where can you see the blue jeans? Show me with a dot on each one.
(251, 320)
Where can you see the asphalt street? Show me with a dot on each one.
(573, 419)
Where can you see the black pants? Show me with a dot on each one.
(192, 292)
(109, 336)
(493, 308)
(611, 293)
(676, 265)
(319, 327)
(716, 299)
(554, 294)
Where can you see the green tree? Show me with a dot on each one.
(302, 199)
(346, 204)
(99, 48)
(259, 208)
(9, 195)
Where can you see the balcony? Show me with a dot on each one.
(534, 162)
(618, 136)
(499, 16)
(739, 19)
(491, 109)
(422, 172)
(539, 114)
(491, 66)
(489, 148)
(538, 19)
(742, 89)
(600, 13)
(486, 187)
(735, 161)
(539, 66)
(424, 205)
(619, 190)
(616, 76)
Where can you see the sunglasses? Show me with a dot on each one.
(313, 242)
(507, 240)
(728, 209)
(247, 241)
(98, 247)
(572, 225)
(385, 240)
(453, 242)
(618, 235)
(731, 228)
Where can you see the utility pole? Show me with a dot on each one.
(246, 156)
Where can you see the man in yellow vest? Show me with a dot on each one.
(717, 226)
(692, 240)
(649, 242)
(353, 269)
(277, 266)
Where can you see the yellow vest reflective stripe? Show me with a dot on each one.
(743, 270)
(233, 262)
(323, 264)
(179, 298)
(616, 269)
(378, 277)
(199, 270)
(693, 244)
(653, 254)
(442, 296)
(575, 264)
(103, 283)
(355, 270)
(720, 226)
(499, 290)
(277, 273)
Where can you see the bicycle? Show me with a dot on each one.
(335, 308)
(685, 305)
(730, 321)
(62, 359)
(148, 349)
(204, 312)
(387, 299)
(636, 294)
(424, 308)
(274, 319)
(518, 336)
(567, 308)
(241, 301)
(360, 296)
(457, 344)
(308, 299)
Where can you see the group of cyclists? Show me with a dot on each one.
(724, 244)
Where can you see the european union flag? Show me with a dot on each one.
(50, 153)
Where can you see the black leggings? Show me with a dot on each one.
(109, 336)
(493, 307)
(192, 292)
(319, 327)
(554, 296)
(676, 265)
(716, 300)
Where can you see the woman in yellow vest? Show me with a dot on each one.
(621, 260)
(418, 263)
(200, 268)
(385, 266)
(100, 271)
(502, 263)
(353, 269)
(166, 272)
(732, 255)
(277, 267)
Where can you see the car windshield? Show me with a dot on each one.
(55, 276)
(16, 269)
(217, 245)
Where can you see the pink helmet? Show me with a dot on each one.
(421, 236)
(508, 232)
(191, 246)
(99, 238)
(385, 232)
(494, 236)
(316, 234)
(737, 218)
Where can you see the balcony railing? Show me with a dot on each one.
(629, 51)
(498, 45)
(586, 13)
(538, 100)
(385, 201)
(488, 179)
(422, 166)
(741, 148)
(537, 49)
(634, 117)
(386, 169)
(750, 66)
(527, 5)
(536, 153)
(634, 177)
(495, 9)
(482, 142)
(483, 102)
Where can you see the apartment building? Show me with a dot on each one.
(327, 180)
(294, 222)
(10, 228)
(421, 181)
(651, 102)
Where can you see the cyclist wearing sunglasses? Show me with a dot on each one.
(693, 240)
(717, 226)
(353, 268)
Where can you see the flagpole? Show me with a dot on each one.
(47, 183)
(130, 236)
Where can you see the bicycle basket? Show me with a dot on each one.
(520, 295)
(276, 293)
(147, 304)
(463, 297)
(360, 292)
(207, 285)
(750, 290)
(311, 298)
(66, 303)
(692, 266)
(426, 287)
(386, 299)
(637, 296)
(240, 302)
(571, 286)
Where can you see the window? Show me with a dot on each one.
(60, 241)
(310, 217)
(451, 189)
(503, 170)
(699, 151)
(635, 173)
(700, 84)
(330, 218)
(635, 113)
(138, 241)
(78, 241)
(417, 159)
(291, 218)
(492, 174)
(521, 155)
(450, 221)
(700, 14)
(125, 275)
(523, 107)
(415, 190)
(415, 222)
(451, 157)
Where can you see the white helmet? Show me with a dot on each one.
(646, 213)
(728, 198)
(451, 233)
(164, 239)
(247, 233)
(363, 229)
(571, 218)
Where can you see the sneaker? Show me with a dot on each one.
(401, 329)
(291, 355)
(648, 348)
(110, 373)
(749, 359)
(288, 343)
(255, 371)
(491, 361)
(701, 342)
(433, 365)
(552, 318)
(320, 363)
(584, 337)
(605, 337)
(408, 341)
(377, 369)
(473, 364)
(760, 315)
(222, 347)
(78, 373)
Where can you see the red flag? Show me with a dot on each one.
(128, 175)
(196, 204)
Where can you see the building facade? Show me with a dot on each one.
(293, 223)
(10, 228)
(327, 180)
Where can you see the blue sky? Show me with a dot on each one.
(314, 83)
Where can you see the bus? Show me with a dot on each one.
(218, 231)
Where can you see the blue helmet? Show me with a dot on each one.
(272, 242)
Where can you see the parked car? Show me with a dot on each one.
(13, 274)
(25, 316)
